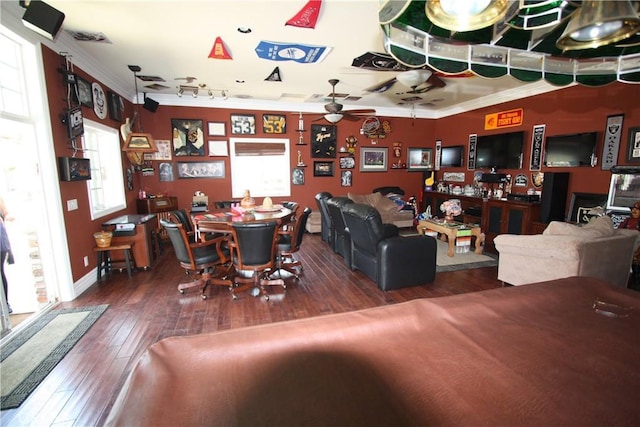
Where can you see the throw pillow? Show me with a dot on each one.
(597, 227)
(386, 205)
(601, 225)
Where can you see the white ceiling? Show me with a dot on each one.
(172, 40)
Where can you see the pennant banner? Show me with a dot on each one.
(536, 147)
(611, 141)
(302, 53)
(471, 164)
(219, 51)
(308, 15)
(274, 76)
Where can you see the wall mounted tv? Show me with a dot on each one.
(500, 151)
(452, 156)
(571, 150)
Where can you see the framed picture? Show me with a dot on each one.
(166, 172)
(213, 169)
(323, 141)
(218, 148)
(216, 129)
(84, 96)
(347, 163)
(297, 176)
(420, 159)
(163, 153)
(322, 168)
(274, 123)
(581, 205)
(116, 105)
(373, 159)
(346, 178)
(74, 169)
(243, 124)
(140, 142)
(633, 150)
(188, 137)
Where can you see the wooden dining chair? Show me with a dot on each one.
(200, 259)
(253, 249)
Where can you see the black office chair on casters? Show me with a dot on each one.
(199, 258)
(289, 242)
(253, 249)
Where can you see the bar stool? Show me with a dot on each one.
(104, 258)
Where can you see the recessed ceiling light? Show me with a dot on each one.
(239, 81)
(244, 30)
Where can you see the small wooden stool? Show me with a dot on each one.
(104, 258)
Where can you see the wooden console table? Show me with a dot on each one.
(450, 229)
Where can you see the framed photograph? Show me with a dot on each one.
(297, 176)
(116, 105)
(420, 159)
(346, 178)
(216, 129)
(84, 96)
(274, 123)
(166, 172)
(582, 204)
(218, 148)
(74, 169)
(188, 137)
(243, 124)
(347, 163)
(322, 168)
(633, 150)
(140, 142)
(373, 159)
(163, 153)
(213, 169)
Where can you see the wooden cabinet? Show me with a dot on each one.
(160, 206)
(508, 217)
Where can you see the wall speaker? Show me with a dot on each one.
(150, 104)
(554, 196)
(43, 19)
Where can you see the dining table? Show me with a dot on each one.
(215, 220)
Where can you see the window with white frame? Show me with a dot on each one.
(101, 145)
(260, 165)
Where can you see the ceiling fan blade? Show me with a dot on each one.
(382, 87)
(361, 111)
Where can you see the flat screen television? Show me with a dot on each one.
(501, 151)
(573, 150)
(452, 156)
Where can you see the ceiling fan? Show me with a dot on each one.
(335, 113)
(418, 80)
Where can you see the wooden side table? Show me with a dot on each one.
(450, 229)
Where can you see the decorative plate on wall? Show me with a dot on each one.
(99, 101)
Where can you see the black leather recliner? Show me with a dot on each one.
(393, 262)
(325, 224)
(340, 233)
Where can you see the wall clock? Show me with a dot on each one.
(323, 141)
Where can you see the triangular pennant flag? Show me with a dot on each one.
(307, 16)
(274, 76)
(219, 51)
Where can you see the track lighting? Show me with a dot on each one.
(224, 95)
(180, 92)
(210, 94)
(194, 93)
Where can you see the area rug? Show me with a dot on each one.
(29, 357)
(463, 261)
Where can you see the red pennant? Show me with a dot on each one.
(307, 16)
(219, 51)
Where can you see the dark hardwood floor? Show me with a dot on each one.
(81, 389)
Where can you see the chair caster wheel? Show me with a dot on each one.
(181, 291)
(204, 296)
(234, 296)
(266, 297)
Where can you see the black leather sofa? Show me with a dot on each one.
(339, 231)
(393, 262)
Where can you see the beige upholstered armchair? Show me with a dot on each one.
(563, 250)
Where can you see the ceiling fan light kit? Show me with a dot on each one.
(413, 78)
(333, 117)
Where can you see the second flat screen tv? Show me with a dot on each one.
(452, 156)
(500, 151)
(570, 150)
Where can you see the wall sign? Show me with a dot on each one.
(503, 119)
(537, 140)
(471, 161)
(611, 141)
(438, 154)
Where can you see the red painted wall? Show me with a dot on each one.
(570, 110)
